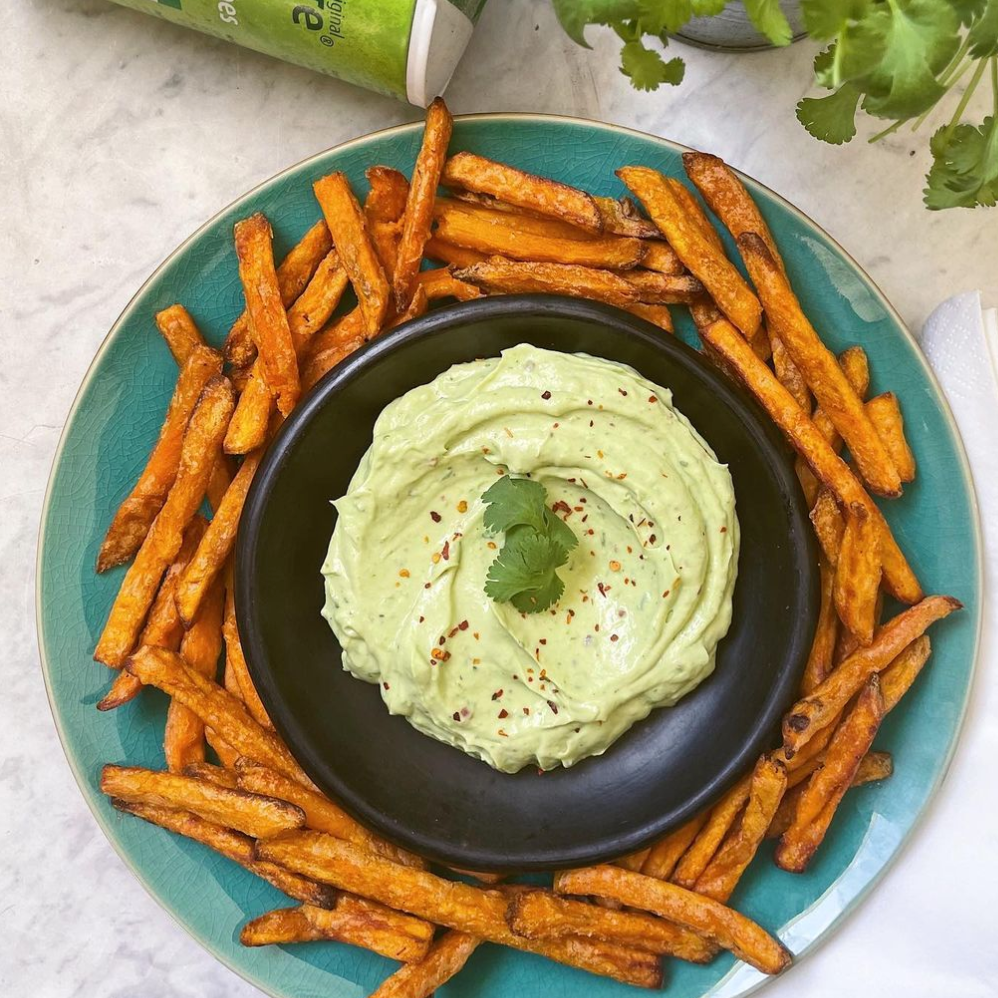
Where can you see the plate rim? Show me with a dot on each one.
(414, 126)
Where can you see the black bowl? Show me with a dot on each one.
(433, 798)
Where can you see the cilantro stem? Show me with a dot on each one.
(994, 81)
(949, 76)
(964, 101)
(890, 130)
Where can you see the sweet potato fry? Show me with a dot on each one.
(788, 372)
(479, 911)
(293, 275)
(417, 306)
(694, 213)
(337, 341)
(320, 812)
(658, 315)
(235, 660)
(857, 574)
(818, 708)
(249, 813)
(821, 371)
(525, 190)
(180, 332)
(633, 861)
(221, 478)
(248, 427)
(829, 526)
(227, 755)
(897, 678)
(268, 318)
(821, 657)
(216, 545)
(183, 741)
(212, 774)
(719, 879)
(714, 921)
(136, 513)
(353, 243)
(666, 853)
(441, 283)
(233, 845)
(701, 256)
(722, 816)
(344, 923)
(420, 980)
(495, 233)
(824, 790)
(219, 710)
(384, 207)
(622, 218)
(884, 412)
(662, 257)
(418, 217)
(163, 627)
(499, 275)
(201, 446)
(458, 256)
(540, 915)
(828, 467)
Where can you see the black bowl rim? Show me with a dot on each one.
(459, 315)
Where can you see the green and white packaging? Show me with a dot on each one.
(405, 48)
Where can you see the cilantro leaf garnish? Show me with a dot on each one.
(832, 118)
(537, 543)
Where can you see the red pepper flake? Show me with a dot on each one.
(544, 673)
(585, 597)
(601, 588)
(502, 733)
(543, 641)
(665, 595)
(555, 426)
(404, 573)
(540, 772)
(650, 524)
(463, 626)
(526, 710)
(629, 549)
(724, 530)
(441, 640)
(579, 509)
(596, 628)
(652, 398)
(503, 714)
(445, 551)
(435, 516)
(545, 395)
(621, 612)
(621, 476)
(530, 679)
(589, 401)
(561, 507)
(476, 661)
(622, 392)
(553, 706)
(572, 480)
(426, 585)
(475, 635)
(497, 695)
(627, 581)
(456, 716)
(652, 538)
(516, 677)
(386, 686)
(614, 565)
(582, 499)
(590, 422)
(421, 619)
(613, 637)
(599, 454)
(453, 631)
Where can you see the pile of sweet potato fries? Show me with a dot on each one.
(500, 231)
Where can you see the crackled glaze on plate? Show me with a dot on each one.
(116, 418)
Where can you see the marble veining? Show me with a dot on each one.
(119, 135)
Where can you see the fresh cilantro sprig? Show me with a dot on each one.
(536, 545)
(897, 60)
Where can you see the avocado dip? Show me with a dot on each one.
(648, 587)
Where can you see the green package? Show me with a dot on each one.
(405, 48)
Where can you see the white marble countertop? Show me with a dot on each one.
(119, 135)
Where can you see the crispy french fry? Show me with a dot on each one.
(163, 626)
(821, 657)
(622, 218)
(694, 213)
(666, 853)
(293, 275)
(658, 315)
(701, 256)
(216, 545)
(235, 660)
(201, 446)
(137, 511)
(634, 860)
(714, 921)
(183, 741)
(828, 467)
(824, 790)
(540, 915)
(221, 478)
(662, 257)
(233, 845)
(227, 755)
(180, 332)
(499, 275)
(418, 217)
(384, 207)
(417, 306)
(479, 911)
(884, 412)
(345, 924)
(495, 233)
(337, 341)
(248, 427)
(458, 256)
(857, 574)
(829, 526)
(320, 812)
(212, 774)
(719, 879)
(525, 190)
(353, 243)
(821, 371)
(788, 372)
(441, 283)
(268, 318)
(897, 678)
(419, 980)
(818, 708)
(722, 816)
(248, 813)
(219, 710)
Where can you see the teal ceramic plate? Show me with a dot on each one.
(115, 420)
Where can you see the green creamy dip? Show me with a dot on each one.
(647, 590)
